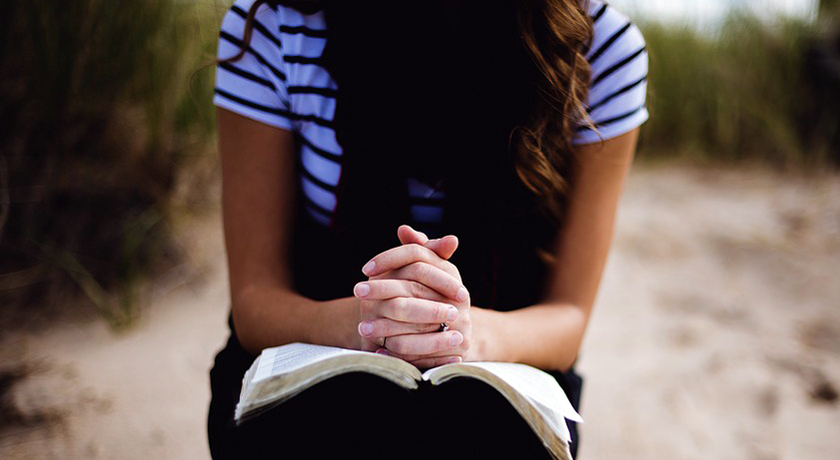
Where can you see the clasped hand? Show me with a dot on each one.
(411, 290)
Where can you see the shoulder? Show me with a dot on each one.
(618, 59)
(274, 22)
(265, 36)
(254, 84)
(613, 32)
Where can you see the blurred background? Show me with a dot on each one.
(717, 329)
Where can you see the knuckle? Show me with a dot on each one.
(416, 289)
(421, 252)
(383, 328)
(442, 342)
(404, 305)
(397, 345)
(450, 268)
(395, 306)
(421, 269)
(414, 250)
(438, 312)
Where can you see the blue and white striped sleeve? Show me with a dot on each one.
(617, 90)
(255, 85)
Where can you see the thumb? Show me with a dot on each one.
(443, 247)
(408, 235)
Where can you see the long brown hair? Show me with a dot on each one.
(556, 34)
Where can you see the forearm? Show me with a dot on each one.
(547, 336)
(270, 316)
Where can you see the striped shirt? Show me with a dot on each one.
(280, 82)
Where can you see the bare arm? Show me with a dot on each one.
(257, 201)
(549, 334)
(546, 335)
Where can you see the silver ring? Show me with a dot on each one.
(443, 327)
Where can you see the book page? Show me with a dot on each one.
(294, 356)
(536, 385)
(280, 373)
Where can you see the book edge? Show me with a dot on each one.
(251, 400)
(536, 420)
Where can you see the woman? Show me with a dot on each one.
(507, 125)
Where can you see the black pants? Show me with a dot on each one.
(372, 417)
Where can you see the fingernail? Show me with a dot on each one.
(456, 339)
(456, 359)
(382, 351)
(368, 268)
(462, 295)
(365, 328)
(451, 314)
(362, 289)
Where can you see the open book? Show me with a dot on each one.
(280, 373)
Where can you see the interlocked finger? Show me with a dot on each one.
(425, 362)
(425, 344)
(433, 277)
(428, 363)
(401, 256)
(415, 310)
(382, 327)
(381, 289)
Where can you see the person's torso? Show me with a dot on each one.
(311, 95)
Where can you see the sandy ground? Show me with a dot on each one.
(716, 335)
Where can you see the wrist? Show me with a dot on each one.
(339, 321)
(271, 316)
(485, 343)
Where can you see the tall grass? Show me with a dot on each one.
(104, 117)
(99, 119)
(757, 91)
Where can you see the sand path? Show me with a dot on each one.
(716, 335)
